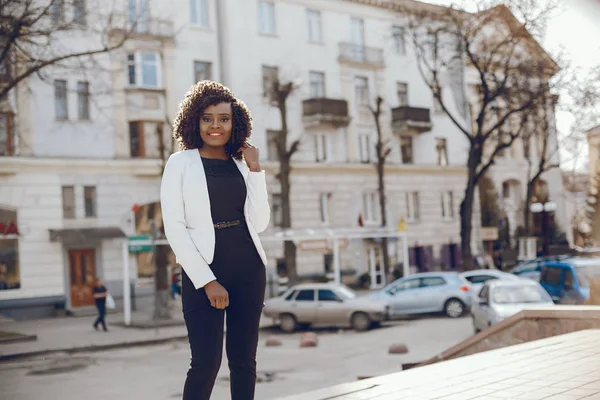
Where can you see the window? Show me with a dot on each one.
(6, 135)
(399, 35)
(405, 285)
(364, 147)
(144, 70)
(402, 90)
(480, 278)
(328, 263)
(199, 12)
(406, 148)
(357, 27)
(320, 147)
(325, 207)
(484, 294)
(371, 207)
(568, 279)
(270, 76)
(68, 201)
(447, 206)
(10, 277)
(361, 90)
(83, 100)
(315, 33)
(276, 211)
(266, 17)
(136, 139)
(202, 71)
(432, 281)
(139, 14)
(272, 153)
(79, 12)
(316, 84)
(328, 295)
(306, 295)
(89, 196)
(442, 152)
(505, 190)
(551, 275)
(57, 12)
(61, 109)
(291, 295)
(412, 206)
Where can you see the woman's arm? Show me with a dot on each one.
(172, 207)
(259, 211)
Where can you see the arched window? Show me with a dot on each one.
(10, 276)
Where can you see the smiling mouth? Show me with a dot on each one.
(214, 134)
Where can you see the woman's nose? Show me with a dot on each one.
(215, 123)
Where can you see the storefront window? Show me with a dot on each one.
(10, 277)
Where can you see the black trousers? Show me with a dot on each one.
(205, 332)
(101, 313)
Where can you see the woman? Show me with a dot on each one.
(214, 203)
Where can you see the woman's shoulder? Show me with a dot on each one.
(182, 156)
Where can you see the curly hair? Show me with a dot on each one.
(186, 128)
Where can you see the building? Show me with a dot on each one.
(76, 169)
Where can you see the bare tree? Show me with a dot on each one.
(504, 68)
(33, 33)
(279, 93)
(383, 151)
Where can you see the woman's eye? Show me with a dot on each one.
(206, 119)
(224, 119)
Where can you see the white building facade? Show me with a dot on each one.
(86, 148)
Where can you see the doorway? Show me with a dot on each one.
(82, 276)
(376, 267)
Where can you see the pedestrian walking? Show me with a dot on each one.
(100, 294)
(214, 203)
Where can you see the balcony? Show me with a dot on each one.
(323, 111)
(361, 55)
(144, 28)
(410, 121)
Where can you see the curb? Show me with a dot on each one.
(92, 348)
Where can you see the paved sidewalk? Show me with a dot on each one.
(72, 334)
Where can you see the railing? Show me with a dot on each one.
(334, 107)
(351, 52)
(414, 114)
(143, 26)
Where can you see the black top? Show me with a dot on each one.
(227, 189)
(101, 289)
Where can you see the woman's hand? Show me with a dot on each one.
(251, 155)
(217, 295)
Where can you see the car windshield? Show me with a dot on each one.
(520, 294)
(346, 293)
(587, 274)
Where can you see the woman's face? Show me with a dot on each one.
(216, 124)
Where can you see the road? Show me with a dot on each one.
(158, 372)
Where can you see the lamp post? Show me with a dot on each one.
(544, 209)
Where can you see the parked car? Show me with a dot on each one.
(325, 304)
(478, 277)
(568, 281)
(428, 292)
(531, 269)
(500, 299)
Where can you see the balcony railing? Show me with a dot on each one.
(358, 54)
(408, 120)
(153, 27)
(323, 111)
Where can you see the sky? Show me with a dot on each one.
(574, 32)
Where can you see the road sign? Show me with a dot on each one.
(139, 248)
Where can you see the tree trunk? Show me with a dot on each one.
(161, 278)
(527, 211)
(383, 208)
(289, 248)
(466, 205)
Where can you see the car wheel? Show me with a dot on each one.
(360, 321)
(454, 308)
(287, 323)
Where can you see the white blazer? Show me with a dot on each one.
(187, 219)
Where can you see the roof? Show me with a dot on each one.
(512, 282)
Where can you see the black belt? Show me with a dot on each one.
(227, 224)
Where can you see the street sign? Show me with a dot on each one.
(139, 248)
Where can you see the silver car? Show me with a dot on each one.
(500, 299)
(324, 304)
(428, 292)
(478, 277)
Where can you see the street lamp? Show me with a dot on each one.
(545, 209)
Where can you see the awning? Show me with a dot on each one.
(85, 235)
